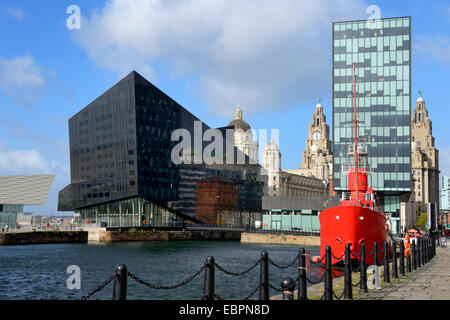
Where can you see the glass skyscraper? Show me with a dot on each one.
(381, 50)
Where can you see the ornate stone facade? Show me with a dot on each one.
(424, 158)
(284, 183)
(243, 136)
(317, 159)
(272, 163)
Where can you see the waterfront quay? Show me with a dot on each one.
(431, 282)
(421, 276)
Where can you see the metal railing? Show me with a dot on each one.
(420, 255)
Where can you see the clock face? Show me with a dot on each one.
(317, 136)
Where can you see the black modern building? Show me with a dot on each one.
(122, 168)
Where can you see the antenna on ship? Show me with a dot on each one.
(356, 132)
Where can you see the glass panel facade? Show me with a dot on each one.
(383, 69)
(8, 215)
(133, 212)
(102, 140)
(120, 148)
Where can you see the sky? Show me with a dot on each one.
(271, 57)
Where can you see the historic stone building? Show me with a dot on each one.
(284, 183)
(317, 159)
(243, 136)
(272, 163)
(424, 158)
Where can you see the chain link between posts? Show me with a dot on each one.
(99, 288)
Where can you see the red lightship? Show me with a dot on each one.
(355, 220)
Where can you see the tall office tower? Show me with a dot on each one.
(444, 194)
(381, 50)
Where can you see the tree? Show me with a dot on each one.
(421, 220)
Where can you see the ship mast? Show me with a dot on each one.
(356, 133)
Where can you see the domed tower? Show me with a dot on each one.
(243, 136)
(317, 158)
(424, 157)
(272, 163)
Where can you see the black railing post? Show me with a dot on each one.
(208, 288)
(419, 253)
(433, 245)
(288, 286)
(394, 261)
(414, 256)
(425, 250)
(387, 276)
(264, 277)
(376, 253)
(429, 249)
(422, 251)
(363, 268)
(121, 283)
(348, 287)
(408, 263)
(302, 275)
(402, 258)
(328, 275)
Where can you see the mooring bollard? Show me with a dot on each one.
(264, 277)
(414, 255)
(302, 275)
(387, 277)
(402, 258)
(288, 286)
(394, 261)
(376, 252)
(363, 268)
(328, 275)
(121, 283)
(208, 288)
(348, 294)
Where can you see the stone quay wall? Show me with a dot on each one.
(43, 237)
(158, 235)
(280, 239)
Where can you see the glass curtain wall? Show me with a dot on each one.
(129, 213)
(382, 54)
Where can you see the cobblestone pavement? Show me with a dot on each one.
(430, 282)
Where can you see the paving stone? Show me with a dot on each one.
(429, 282)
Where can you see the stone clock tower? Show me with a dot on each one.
(424, 157)
(317, 158)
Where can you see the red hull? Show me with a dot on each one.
(351, 224)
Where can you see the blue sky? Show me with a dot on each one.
(271, 57)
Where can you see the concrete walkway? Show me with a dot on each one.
(430, 282)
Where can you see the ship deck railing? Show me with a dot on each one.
(347, 195)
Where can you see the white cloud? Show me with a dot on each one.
(15, 162)
(16, 13)
(436, 49)
(262, 54)
(24, 162)
(22, 79)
